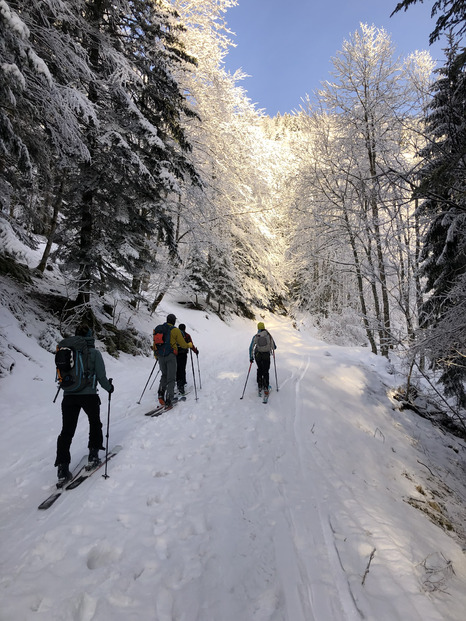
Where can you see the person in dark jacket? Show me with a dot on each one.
(262, 345)
(89, 401)
(181, 360)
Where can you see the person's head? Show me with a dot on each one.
(83, 330)
(182, 327)
(260, 325)
(171, 319)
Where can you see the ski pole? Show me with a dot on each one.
(105, 475)
(194, 376)
(153, 381)
(199, 372)
(147, 382)
(57, 394)
(247, 377)
(275, 366)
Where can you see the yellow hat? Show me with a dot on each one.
(260, 325)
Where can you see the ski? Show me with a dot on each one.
(166, 408)
(266, 395)
(90, 469)
(80, 474)
(163, 408)
(154, 411)
(61, 485)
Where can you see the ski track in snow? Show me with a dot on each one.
(221, 509)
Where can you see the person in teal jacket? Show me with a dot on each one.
(87, 399)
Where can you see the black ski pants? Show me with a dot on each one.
(263, 367)
(181, 361)
(70, 408)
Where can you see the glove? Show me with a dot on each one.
(195, 350)
(251, 360)
(112, 387)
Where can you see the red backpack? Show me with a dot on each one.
(161, 337)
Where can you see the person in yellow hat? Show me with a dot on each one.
(262, 345)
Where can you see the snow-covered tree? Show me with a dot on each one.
(354, 164)
(118, 134)
(137, 143)
(443, 188)
(234, 157)
(40, 109)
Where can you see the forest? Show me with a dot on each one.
(140, 165)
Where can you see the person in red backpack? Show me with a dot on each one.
(182, 359)
(167, 362)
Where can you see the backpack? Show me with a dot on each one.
(161, 338)
(72, 363)
(263, 341)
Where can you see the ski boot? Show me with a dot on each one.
(63, 474)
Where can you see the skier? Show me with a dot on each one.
(182, 359)
(167, 363)
(87, 399)
(262, 344)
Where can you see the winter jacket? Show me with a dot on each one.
(188, 339)
(177, 340)
(252, 346)
(96, 370)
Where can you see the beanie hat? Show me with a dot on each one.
(171, 319)
(260, 325)
(182, 326)
(83, 330)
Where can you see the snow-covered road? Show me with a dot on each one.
(226, 509)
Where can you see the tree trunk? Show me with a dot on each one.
(85, 246)
(371, 154)
(359, 280)
(53, 225)
(386, 329)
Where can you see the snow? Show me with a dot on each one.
(304, 509)
(13, 20)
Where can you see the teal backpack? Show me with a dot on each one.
(72, 363)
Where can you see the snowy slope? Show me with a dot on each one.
(226, 509)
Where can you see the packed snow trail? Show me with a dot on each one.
(225, 509)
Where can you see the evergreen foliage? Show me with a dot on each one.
(451, 16)
(443, 188)
(117, 132)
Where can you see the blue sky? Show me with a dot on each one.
(286, 45)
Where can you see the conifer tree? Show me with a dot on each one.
(137, 144)
(450, 16)
(39, 109)
(443, 188)
(91, 90)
